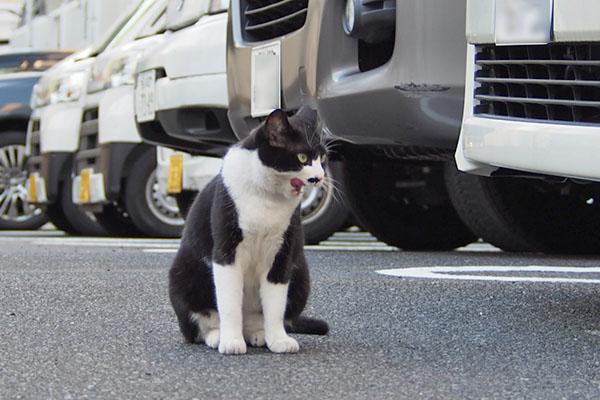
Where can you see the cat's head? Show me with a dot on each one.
(292, 147)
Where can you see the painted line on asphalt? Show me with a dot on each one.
(159, 250)
(340, 241)
(503, 273)
(110, 242)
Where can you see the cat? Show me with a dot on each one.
(240, 276)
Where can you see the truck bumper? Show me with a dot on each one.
(191, 115)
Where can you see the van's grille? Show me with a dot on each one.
(88, 155)
(555, 82)
(268, 19)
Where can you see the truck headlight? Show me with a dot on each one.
(68, 88)
(113, 72)
(370, 20)
(39, 95)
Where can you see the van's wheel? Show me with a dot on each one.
(529, 215)
(324, 209)
(153, 213)
(116, 221)
(69, 217)
(404, 203)
(15, 211)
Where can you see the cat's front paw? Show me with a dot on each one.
(232, 346)
(284, 344)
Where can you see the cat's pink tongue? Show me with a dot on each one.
(297, 184)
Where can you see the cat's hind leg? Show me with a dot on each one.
(208, 326)
(187, 325)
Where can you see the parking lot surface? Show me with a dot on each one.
(90, 318)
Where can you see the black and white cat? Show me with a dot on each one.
(242, 247)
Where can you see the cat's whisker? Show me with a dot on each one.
(334, 186)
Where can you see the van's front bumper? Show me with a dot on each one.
(512, 134)
(107, 139)
(52, 139)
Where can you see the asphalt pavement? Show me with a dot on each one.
(90, 318)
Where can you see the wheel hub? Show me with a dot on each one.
(164, 208)
(13, 193)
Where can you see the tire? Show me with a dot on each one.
(154, 214)
(15, 211)
(529, 215)
(116, 221)
(68, 217)
(404, 203)
(324, 209)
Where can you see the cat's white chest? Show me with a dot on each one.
(253, 188)
(263, 216)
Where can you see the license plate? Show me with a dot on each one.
(523, 22)
(265, 79)
(84, 186)
(32, 188)
(144, 96)
(175, 178)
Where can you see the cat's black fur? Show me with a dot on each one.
(212, 232)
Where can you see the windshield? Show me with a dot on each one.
(114, 29)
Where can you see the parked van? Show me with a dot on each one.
(54, 129)
(531, 127)
(387, 80)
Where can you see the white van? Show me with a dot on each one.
(182, 103)
(114, 171)
(531, 125)
(55, 122)
(181, 98)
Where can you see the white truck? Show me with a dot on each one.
(58, 103)
(114, 171)
(531, 125)
(181, 97)
(182, 103)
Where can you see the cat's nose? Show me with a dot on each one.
(316, 179)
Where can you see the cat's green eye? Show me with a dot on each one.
(302, 157)
(323, 159)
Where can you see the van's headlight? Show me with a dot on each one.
(113, 72)
(67, 88)
(40, 96)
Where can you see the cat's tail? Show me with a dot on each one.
(308, 326)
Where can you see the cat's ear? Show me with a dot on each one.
(277, 127)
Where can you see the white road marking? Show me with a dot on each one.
(110, 242)
(503, 273)
(340, 241)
